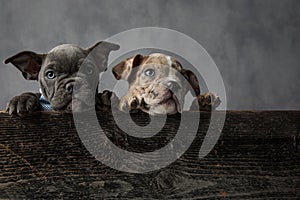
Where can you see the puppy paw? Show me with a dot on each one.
(206, 102)
(127, 103)
(23, 104)
(106, 100)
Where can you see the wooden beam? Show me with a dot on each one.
(256, 156)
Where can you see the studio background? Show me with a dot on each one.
(255, 44)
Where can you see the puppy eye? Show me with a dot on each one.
(89, 70)
(50, 74)
(149, 72)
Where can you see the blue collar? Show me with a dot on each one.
(45, 105)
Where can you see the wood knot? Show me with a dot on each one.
(166, 181)
(169, 182)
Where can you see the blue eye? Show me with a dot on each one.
(149, 72)
(50, 74)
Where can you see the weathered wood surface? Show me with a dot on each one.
(256, 157)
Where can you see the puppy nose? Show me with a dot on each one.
(69, 88)
(172, 85)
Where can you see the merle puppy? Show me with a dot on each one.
(158, 84)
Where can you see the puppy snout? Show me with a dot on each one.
(172, 85)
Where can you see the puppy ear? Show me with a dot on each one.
(119, 70)
(137, 60)
(192, 79)
(124, 68)
(28, 62)
(100, 52)
(190, 76)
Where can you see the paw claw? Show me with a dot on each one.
(22, 105)
(206, 102)
(210, 101)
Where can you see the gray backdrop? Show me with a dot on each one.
(255, 44)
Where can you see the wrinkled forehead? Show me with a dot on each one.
(163, 63)
(158, 58)
(66, 53)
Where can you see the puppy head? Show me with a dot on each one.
(66, 74)
(157, 83)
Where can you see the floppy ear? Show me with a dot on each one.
(124, 68)
(192, 79)
(28, 62)
(100, 52)
(190, 76)
(119, 69)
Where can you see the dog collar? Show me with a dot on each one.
(45, 105)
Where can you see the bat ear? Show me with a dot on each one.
(100, 52)
(124, 68)
(28, 62)
(194, 84)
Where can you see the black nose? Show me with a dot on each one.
(72, 87)
(173, 86)
(69, 88)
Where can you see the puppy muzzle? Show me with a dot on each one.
(73, 96)
(161, 99)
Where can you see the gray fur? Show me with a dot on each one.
(76, 72)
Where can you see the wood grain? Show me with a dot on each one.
(256, 157)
